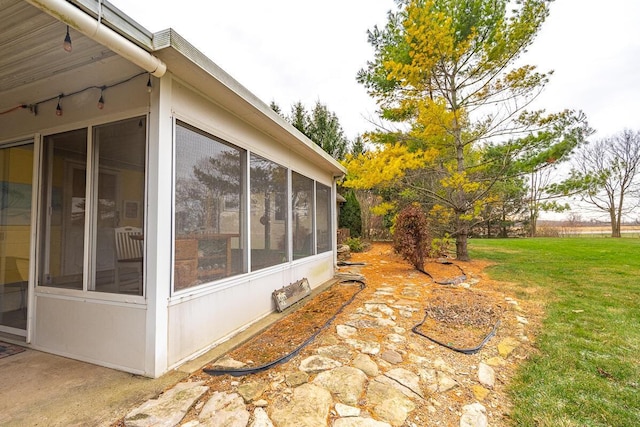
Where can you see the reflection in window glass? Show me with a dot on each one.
(63, 191)
(16, 169)
(268, 186)
(301, 216)
(323, 218)
(208, 209)
(118, 207)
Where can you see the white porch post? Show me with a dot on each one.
(158, 233)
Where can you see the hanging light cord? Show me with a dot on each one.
(34, 106)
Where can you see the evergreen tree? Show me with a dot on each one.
(350, 215)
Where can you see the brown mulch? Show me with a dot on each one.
(302, 320)
(454, 315)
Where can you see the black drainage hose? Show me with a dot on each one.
(239, 372)
(459, 350)
(454, 281)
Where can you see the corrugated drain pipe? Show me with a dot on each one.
(77, 19)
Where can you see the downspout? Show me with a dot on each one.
(85, 24)
(335, 219)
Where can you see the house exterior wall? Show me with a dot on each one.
(201, 317)
(152, 333)
(106, 329)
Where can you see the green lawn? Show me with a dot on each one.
(588, 369)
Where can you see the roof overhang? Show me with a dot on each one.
(30, 53)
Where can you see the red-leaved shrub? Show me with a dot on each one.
(411, 237)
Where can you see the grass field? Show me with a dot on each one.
(587, 372)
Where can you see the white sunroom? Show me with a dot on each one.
(149, 204)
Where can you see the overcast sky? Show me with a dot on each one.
(292, 50)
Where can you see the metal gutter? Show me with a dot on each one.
(255, 110)
(95, 30)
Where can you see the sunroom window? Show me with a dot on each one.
(268, 184)
(302, 215)
(323, 218)
(209, 208)
(92, 208)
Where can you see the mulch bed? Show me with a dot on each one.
(302, 320)
(460, 318)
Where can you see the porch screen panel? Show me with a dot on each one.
(119, 206)
(209, 208)
(323, 218)
(16, 174)
(268, 187)
(63, 202)
(302, 215)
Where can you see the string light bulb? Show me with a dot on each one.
(101, 100)
(58, 107)
(149, 85)
(66, 45)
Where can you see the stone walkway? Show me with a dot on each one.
(357, 380)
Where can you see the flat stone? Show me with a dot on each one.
(345, 383)
(486, 375)
(389, 404)
(364, 311)
(294, 379)
(346, 331)
(406, 313)
(224, 409)
(309, 407)
(227, 362)
(346, 410)
(479, 392)
(396, 338)
(445, 382)
(406, 379)
(366, 365)
(335, 352)
(382, 322)
(406, 306)
(382, 308)
(391, 356)
(168, 409)
(441, 365)
(315, 364)
(260, 419)
(363, 324)
(428, 375)
(419, 360)
(261, 403)
(364, 346)
(252, 390)
(359, 422)
(507, 345)
(411, 292)
(522, 320)
(474, 415)
(495, 361)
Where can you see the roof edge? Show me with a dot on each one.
(169, 38)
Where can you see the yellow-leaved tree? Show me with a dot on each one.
(447, 70)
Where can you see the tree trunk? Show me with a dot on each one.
(615, 223)
(533, 223)
(462, 233)
(462, 254)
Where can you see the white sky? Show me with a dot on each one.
(293, 50)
